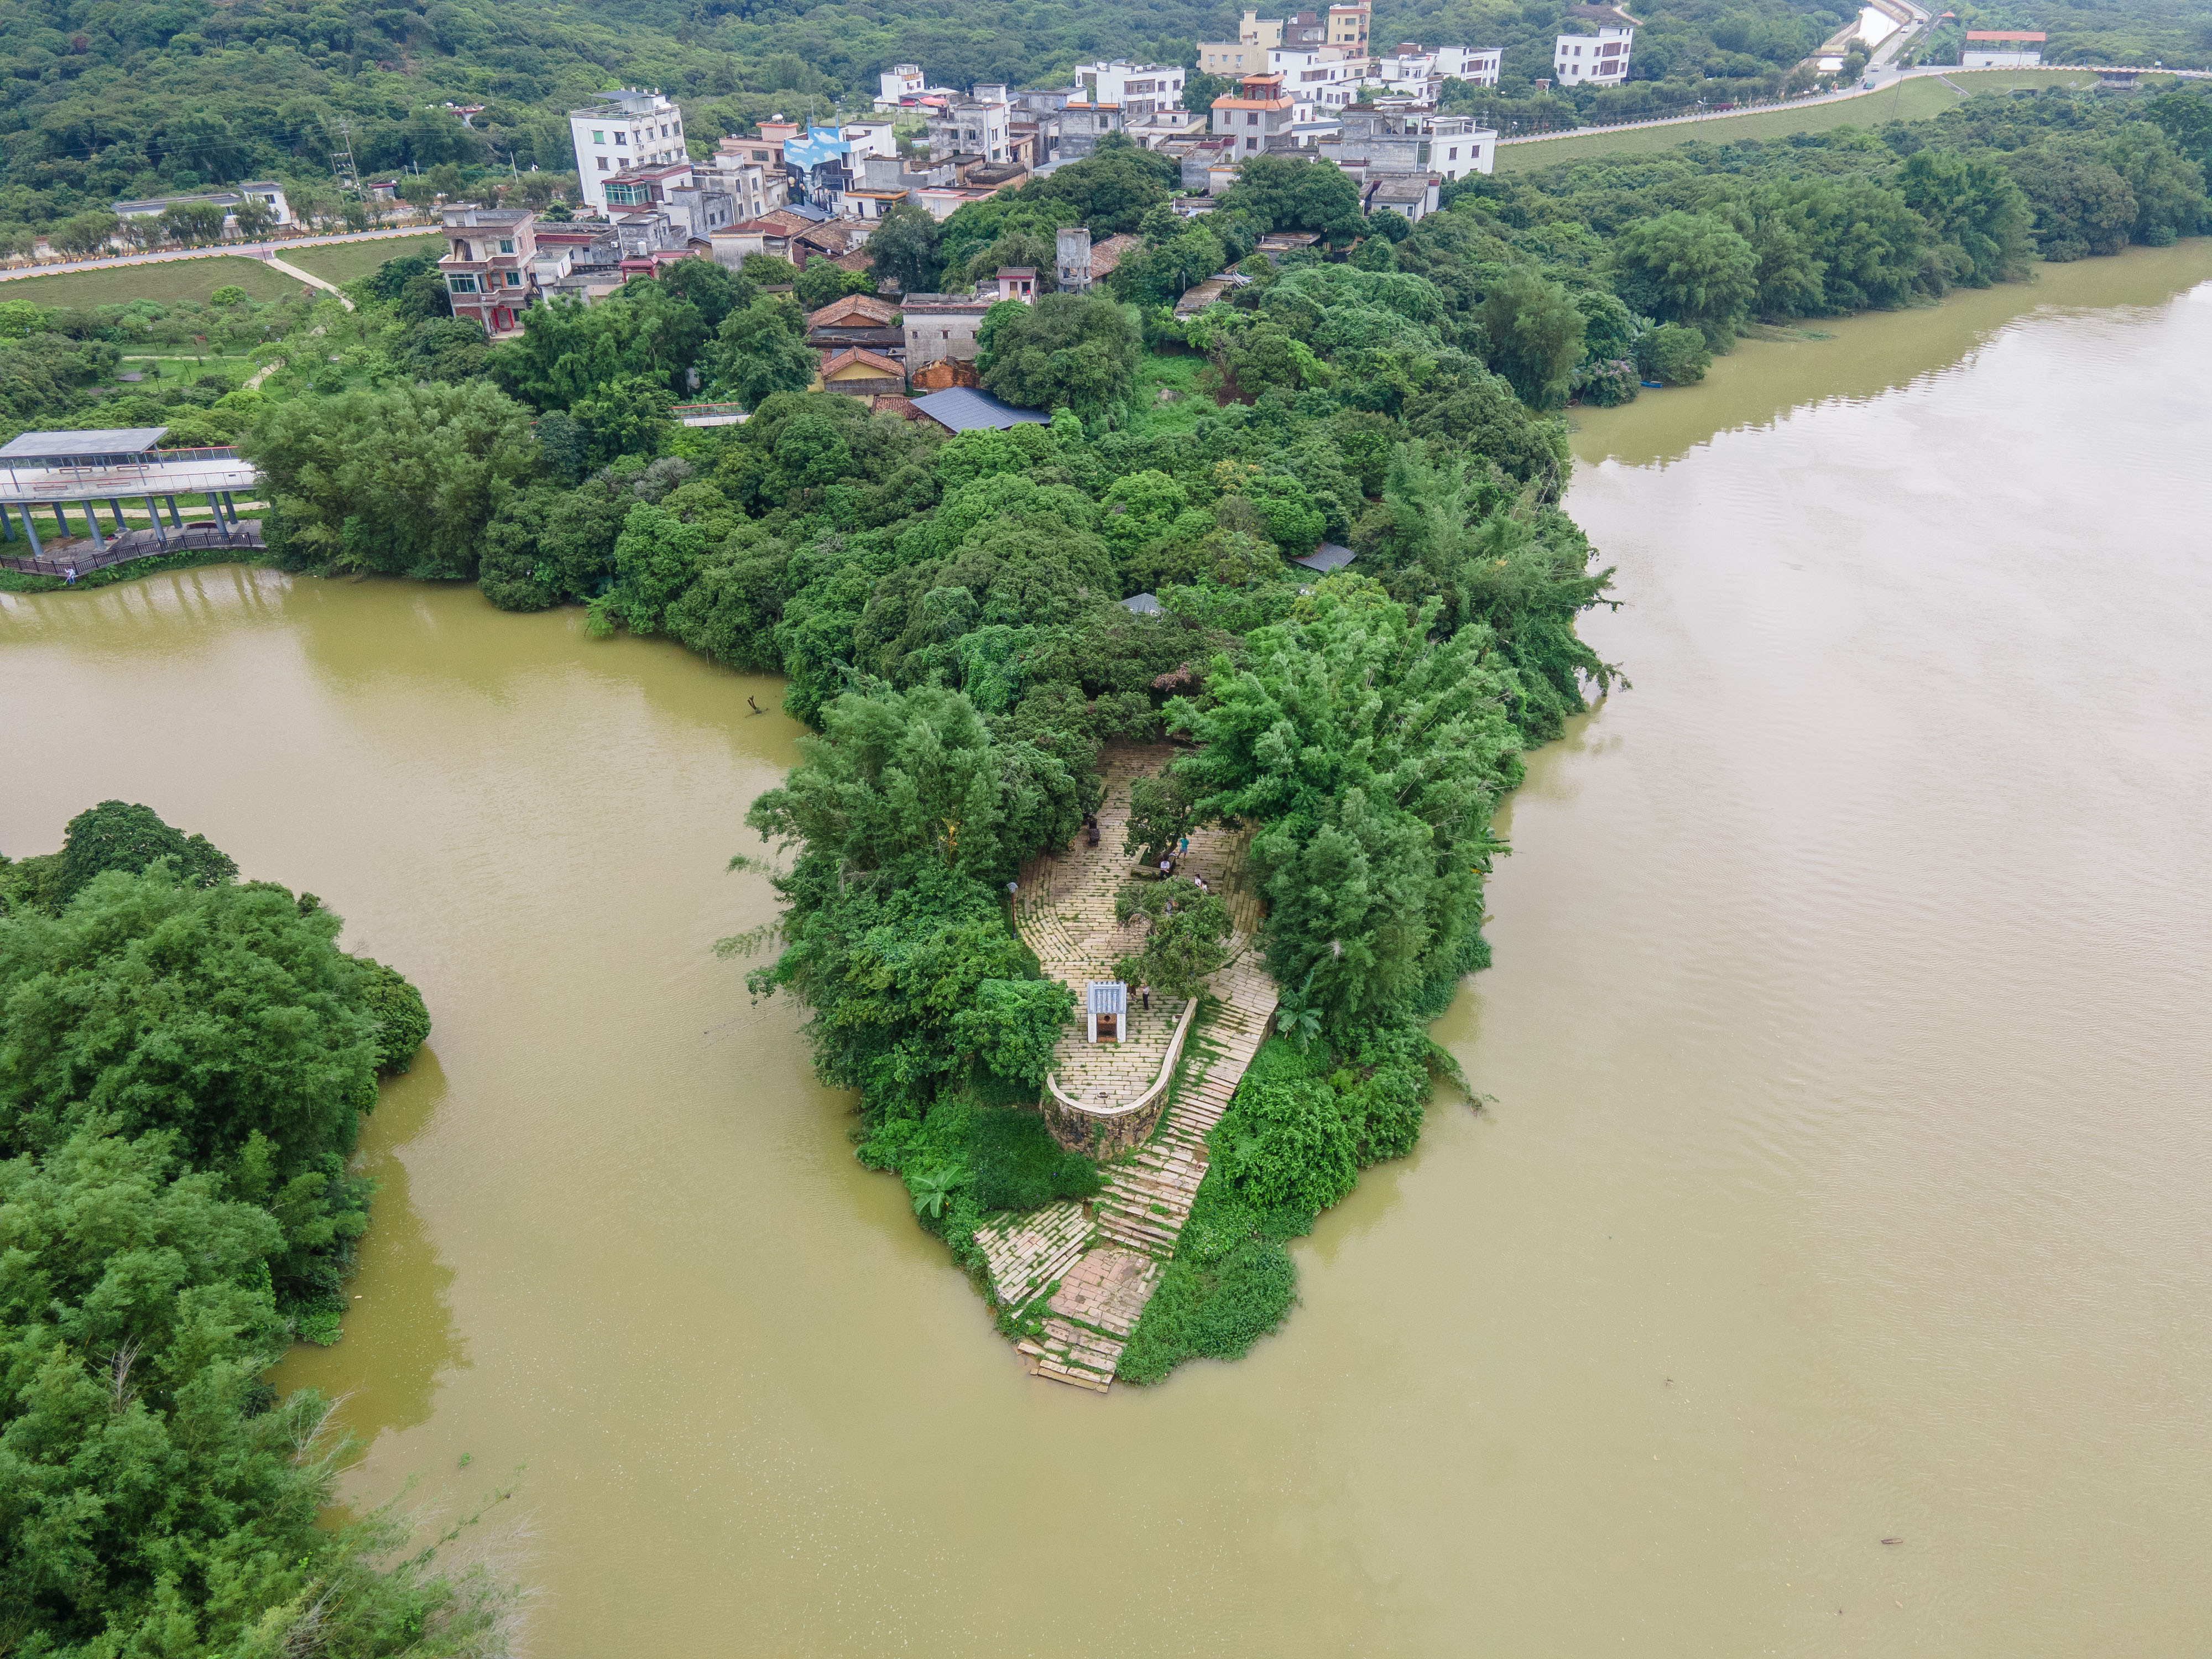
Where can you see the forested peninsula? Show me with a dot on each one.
(947, 611)
(185, 1059)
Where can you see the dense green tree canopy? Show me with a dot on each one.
(401, 481)
(1069, 351)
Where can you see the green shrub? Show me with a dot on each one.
(1232, 1282)
(404, 1023)
(1287, 1145)
(1013, 1025)
(1016, 1164)
(1673, 355)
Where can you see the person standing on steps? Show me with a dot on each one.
(1145, 992)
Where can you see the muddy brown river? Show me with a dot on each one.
(1843, 1178)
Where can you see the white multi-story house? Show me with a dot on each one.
(623, 130)
(898, 82)
(1478, 64)
(1135, 89)
(1458, 148)
(1420, 71)
(1598, 57)
(969, 127)
(1321, 80)
(1259, 113)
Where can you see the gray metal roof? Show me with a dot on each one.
(1327, 557)
(1108, 996)
(963, 409)
(81, 445)
(1145, 604)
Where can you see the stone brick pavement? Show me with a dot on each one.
(1103, 1261)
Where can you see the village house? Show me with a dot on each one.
(487, 264)
(1597, 53)
(1257, 116)
(857, 372)
(939, 326)
(620, 130)
(857, 319)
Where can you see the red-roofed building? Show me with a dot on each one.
(2002, 49)
(1260, 111)
(857, 372)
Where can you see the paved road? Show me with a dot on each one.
(1880, 72)
(272, 251)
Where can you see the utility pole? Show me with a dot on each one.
(349, 176)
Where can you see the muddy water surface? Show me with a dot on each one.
(1843, 1178)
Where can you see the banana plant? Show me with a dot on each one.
(932, 1190)
(1298, 1016)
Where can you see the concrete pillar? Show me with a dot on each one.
(153, 512)
(175, 523)
(92, 522)
(116, 507)
(37, 552)
(229, 509)
(61, 519)
(7, 524)
(215, 506)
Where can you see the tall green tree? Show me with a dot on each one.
(1687, 268)
(1535, 335)
(761, 351)
(1372, 756)
(401, 481)
(902, 249)
(1073, 352)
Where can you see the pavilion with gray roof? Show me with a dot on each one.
(112, 464)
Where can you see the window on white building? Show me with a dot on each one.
(602, 164)
(598, 137)
(622, 138)
(505, 245)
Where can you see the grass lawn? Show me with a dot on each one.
(1177, 374)
(1914, 99)
(161, 363)
(166, 282)
(341, 262)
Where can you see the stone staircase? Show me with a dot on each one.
(1148, 1196)
(1031, 1254)
(1097, 1264)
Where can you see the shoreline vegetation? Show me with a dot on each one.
(946, 611)
(185, 1059)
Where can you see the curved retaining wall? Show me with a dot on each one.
(1108, 1132)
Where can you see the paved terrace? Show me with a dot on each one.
(1093, 1267)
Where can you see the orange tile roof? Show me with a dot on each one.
(858, 356)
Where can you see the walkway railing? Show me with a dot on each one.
(129, 544)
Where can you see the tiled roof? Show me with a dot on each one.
(965, 409)
(861, 357)
(1327, 557)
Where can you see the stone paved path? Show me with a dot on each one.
(1100, 1261)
